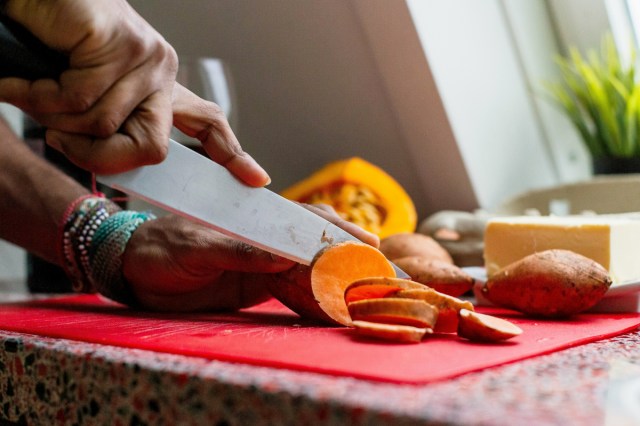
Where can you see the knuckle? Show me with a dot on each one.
(80, 100)
(242, 252)
(163, 54)
(155, 152)
(138, 47)
(106, 124)
(215, 111)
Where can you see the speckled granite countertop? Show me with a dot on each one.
(53, 381)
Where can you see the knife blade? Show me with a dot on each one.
(193, 186)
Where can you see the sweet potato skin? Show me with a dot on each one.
(391, 310)
(448, 307)
(412, 244)
(485, 328)
(391, 332)
(550, 283)
(442, 276)
(293, 289)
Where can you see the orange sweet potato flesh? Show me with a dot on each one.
(485, 328)
(448, 307)
(317, 291)
(416, 313)
(377, 287)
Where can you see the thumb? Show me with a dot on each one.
(233, 255)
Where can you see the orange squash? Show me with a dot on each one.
(361, 193)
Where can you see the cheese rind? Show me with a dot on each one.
(611, 240)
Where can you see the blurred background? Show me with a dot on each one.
(447, 97)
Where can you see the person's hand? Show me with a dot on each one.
(111, 110)
(176, 265)
(173, 264)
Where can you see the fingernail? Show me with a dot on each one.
(260, 171)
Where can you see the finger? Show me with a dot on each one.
(234, 290)
(330, 214)
(104, 116)
(107, 115)
(77, 91)
(218, 252)
(205, 121)
(15, 91)
(143, 140)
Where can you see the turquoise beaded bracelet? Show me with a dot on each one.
(109, 243)
(95, 235)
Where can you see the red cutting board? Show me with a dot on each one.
(271, 335)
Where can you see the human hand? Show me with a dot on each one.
(111, 110)
(173, 264)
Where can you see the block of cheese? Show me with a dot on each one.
(611, 240)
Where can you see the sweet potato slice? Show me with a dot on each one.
(398, 333)
(317, 291)
(442, 276)
(448, 307)
(485, 328)
(394, 311)
(377, 287)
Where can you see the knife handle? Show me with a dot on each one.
(25, 56)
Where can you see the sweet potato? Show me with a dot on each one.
(317, 291)
(412, 244)
(486, 328)
(376, 287)
(442, 276)
(448, 307)
(550, 283)
(392, 310)
(399, 333)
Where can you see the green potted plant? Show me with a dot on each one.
(601, 97)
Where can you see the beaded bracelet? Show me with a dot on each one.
(95, 233)
(109, 243)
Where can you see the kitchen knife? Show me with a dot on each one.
(193, 186)
(189, 184)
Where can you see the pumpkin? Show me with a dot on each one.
(361, 193)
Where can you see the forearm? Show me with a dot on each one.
(33, 197)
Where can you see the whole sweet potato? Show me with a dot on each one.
(550, 283)
(412, 244)
(442, 276)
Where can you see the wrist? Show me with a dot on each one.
(93, 237)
